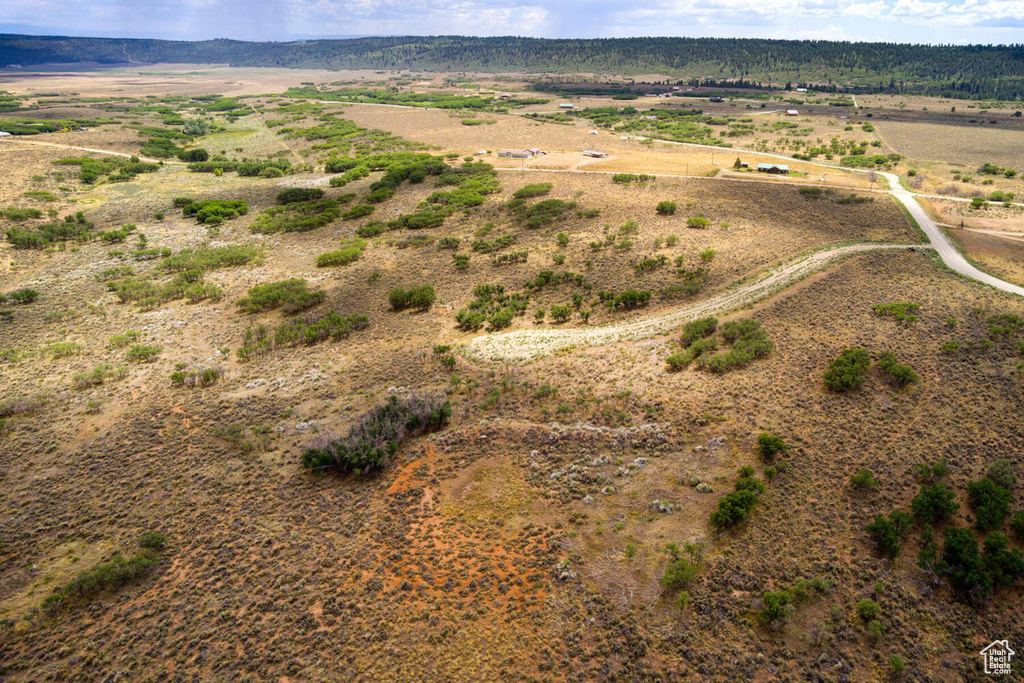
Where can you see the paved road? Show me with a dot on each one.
(950, 256)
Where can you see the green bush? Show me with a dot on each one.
(543, 213)
(991, 503)
(769, 446)
(887, 532)
(534, 190)
(733, 508)
(698, 329)
(118, 341)
(194, 155)
(962, 563)
(357, 211)
(776, 608)
(863, 479)
(292, 295)
(424, 219)
(23, 296)
(339, 257)
(1017, 524)
(64, 349)
(141, 353)
(202, 377)
(214, 211)
(375, 438)
(848, 370)
(679, 573)
(102, 373)
(420, 297)
(1001, 472)
(901, 310)
(698, 222)
(561, 313)
(371, 229)
(154, 540)
(299, 194)
(749, 342)
(626, 178)
(666, 208)
(211, 258)
(868, 609)
(632, 298)
(107, 576)
(296, 216)
(899, 374)
(17, 214)
(935, 503)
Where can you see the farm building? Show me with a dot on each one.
(594, 153)
(775, 169)
(792, 112)
(519, 153)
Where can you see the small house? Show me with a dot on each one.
(520, 153)
(594, 153)
(792, 112)
(774, 169)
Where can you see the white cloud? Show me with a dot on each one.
(900, 20)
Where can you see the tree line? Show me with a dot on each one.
(972, 71)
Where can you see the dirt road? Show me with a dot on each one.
(526, 345)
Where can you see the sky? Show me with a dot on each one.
(904, 21)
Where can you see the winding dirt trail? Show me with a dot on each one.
(109, 152)
(526, 345)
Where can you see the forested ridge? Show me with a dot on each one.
(969, 71)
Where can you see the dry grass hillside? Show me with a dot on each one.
(529, 538)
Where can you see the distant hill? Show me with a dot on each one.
(964, 71)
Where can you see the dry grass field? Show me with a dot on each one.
(525, 541)
(965, 147)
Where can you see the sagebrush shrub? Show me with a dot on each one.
(374, 439)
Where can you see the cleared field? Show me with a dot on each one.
(961, 145)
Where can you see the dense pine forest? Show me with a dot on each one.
(961, 71)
